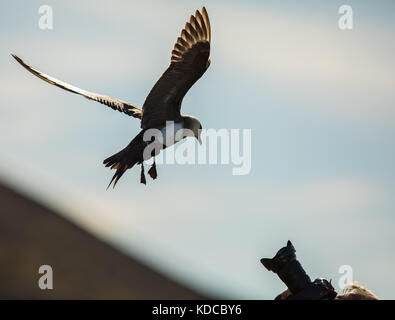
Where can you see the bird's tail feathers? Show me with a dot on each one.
(126, 158)
(119, 163)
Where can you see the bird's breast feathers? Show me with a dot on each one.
(171, 133)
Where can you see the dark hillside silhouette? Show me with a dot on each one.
(84, 267)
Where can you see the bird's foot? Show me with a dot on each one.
(152, 171)
(142, 177)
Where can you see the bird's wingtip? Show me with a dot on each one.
(16, 58)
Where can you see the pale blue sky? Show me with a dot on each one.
(319, 101)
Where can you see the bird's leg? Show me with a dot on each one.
(152, 171)
(142, 178)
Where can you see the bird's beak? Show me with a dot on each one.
(198, 136)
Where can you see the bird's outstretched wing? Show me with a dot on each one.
(113, 103)
(189, 61)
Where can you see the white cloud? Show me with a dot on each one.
(310, 61)
(334, 196)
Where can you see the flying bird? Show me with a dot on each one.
(189, 61)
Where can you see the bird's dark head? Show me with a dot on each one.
(193, 126)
